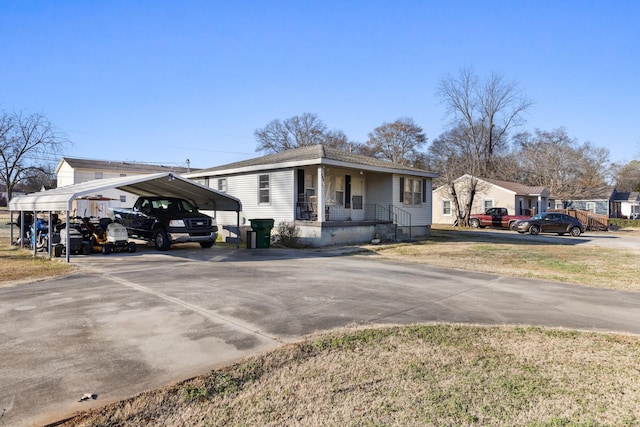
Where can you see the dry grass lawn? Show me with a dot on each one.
(423, 375)
(426, 375)
(584, 265)
(18, 265)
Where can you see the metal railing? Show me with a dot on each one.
(370, 212)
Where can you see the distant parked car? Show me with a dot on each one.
(550, 222)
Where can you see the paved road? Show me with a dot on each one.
(131, 322)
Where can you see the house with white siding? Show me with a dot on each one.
(332, 196)
(72, 170)
(519, 199)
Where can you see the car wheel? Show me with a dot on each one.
(575, 231)
(512, 226)
(474, 223)
(534, 229)
(206, 245)
(162, 240)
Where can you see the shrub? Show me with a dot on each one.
(286, 234)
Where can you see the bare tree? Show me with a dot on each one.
(556, 161)
(298, 131)
(485, 111)
(627, 176)
(482, 114)
(399, 142)
(453, 159)
(27, 143)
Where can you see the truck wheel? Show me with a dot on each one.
(162, 240)
(131, 248)
(206, 244)
(473, 222)
(106, 249)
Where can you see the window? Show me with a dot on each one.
(446, 207)
(339, 194)
(98, 175)
(263, 189)
(591, 207)
(487, 204)
(222, 184)
(412, 191)
(123, 198)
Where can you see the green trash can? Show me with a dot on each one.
(262, 227)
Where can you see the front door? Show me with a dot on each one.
(357, 199)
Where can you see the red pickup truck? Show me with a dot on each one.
(495, 217)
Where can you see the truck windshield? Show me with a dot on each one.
(179, 205)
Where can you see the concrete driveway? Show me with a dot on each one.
(126, 323)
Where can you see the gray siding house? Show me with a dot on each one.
(332, 196)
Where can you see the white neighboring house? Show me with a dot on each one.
(75, 170)
(519, 199)
(625, 205)
(331, 196)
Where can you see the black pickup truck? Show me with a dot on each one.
(167, 220)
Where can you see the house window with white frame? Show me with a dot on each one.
(339, 193)
(487, 204)
(446, 207)
(222, 184)
(263, 189)
(591, 207)
(412, 192)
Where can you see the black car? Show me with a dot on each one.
(550, 222)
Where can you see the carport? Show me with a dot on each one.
(159, 184)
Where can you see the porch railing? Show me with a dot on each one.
(369, 212)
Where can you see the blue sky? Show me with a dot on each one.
(164, 81)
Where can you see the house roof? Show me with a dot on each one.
(517, 188)
(159, 184)
(312, 155)
(595, 193)
(111, 165)
(514, 187)
(633, 196)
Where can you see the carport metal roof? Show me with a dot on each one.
(158, 184)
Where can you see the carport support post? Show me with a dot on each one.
(11, 228)
(21, 229)
(34, 232)
(67, 243)
(49, 221)
(238, 228)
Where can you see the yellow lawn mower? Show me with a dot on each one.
(108, 236)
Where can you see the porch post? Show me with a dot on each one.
(321, 200)
(540, 209)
